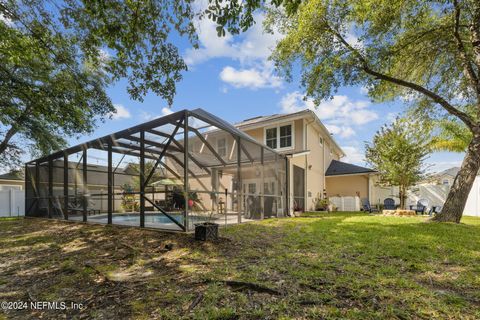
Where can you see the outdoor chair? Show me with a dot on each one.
(421, 206)
(389, 204)
(435, 209)
(78, 208)
(367, 207)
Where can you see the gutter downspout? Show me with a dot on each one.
(305, 144)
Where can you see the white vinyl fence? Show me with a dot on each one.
(472, 208)
(346, 203)
(12, 203)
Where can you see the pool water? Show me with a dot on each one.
(157, 218)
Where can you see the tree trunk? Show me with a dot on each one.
(457, 197)
(402, 196)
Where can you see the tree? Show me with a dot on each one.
(398, 152)
(57, 59)
(454, 136)
(133, 168)
(425, 51)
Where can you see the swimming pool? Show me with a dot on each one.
(149, 218)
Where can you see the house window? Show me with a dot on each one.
(222, 147)
(445, 182)
(285, 136)
(252, 188)
(320, 140)
(280, 137)
(271, 138)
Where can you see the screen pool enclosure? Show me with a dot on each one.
(169, 173)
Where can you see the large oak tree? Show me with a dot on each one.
(425, 52)
(57, 59)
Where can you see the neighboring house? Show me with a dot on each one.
(442, 181)
(315, 169)
(13, 180)
(445, 177)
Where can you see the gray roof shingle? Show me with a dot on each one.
(338, 168)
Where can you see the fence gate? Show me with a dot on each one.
(12, 203)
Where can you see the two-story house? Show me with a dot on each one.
(315, 169)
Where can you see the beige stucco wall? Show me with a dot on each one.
(348, 186)
(315, 167)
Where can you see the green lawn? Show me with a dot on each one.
(341, 265)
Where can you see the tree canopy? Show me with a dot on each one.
(398, 152)
(58, 58)
(425, 53)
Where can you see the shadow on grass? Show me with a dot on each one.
(346, 265)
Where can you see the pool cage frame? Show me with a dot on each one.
(147, 149)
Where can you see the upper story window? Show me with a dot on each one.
(271, 138)
(286, 136)
(446, 182)
(320, 140)
(280, 137)
(222, 147)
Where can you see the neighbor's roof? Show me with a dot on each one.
(12, 175)
(451, 172)
(265, 120)
(339, 168)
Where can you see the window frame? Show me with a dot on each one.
(277, 126)
(225, 146)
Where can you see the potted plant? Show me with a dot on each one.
(128, 202)
(321, 204)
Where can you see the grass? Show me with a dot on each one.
(333, 266)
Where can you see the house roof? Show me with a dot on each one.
(339, 168)
(263, 120)
(450, 172)
(12, 175)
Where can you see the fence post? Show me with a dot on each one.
(12, 202)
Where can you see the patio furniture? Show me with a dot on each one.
(367, 207)
(435, 209)
(389, 204)
(78, 208)
(421, 206)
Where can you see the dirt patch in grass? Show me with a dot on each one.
(345, 265)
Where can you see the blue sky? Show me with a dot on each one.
(232, 78)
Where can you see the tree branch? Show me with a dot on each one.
(467, 65)
(475, 33)
(469, 122)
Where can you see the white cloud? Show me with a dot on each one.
(147, 116)
(340, 114)
(250, 49)
(353, 155)
(250, 78)
(364, 90)
(392, 116)
(120, 113)
(6, 20)
(166, 111)
(353, 40)
(252, 46)
(342, 131)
